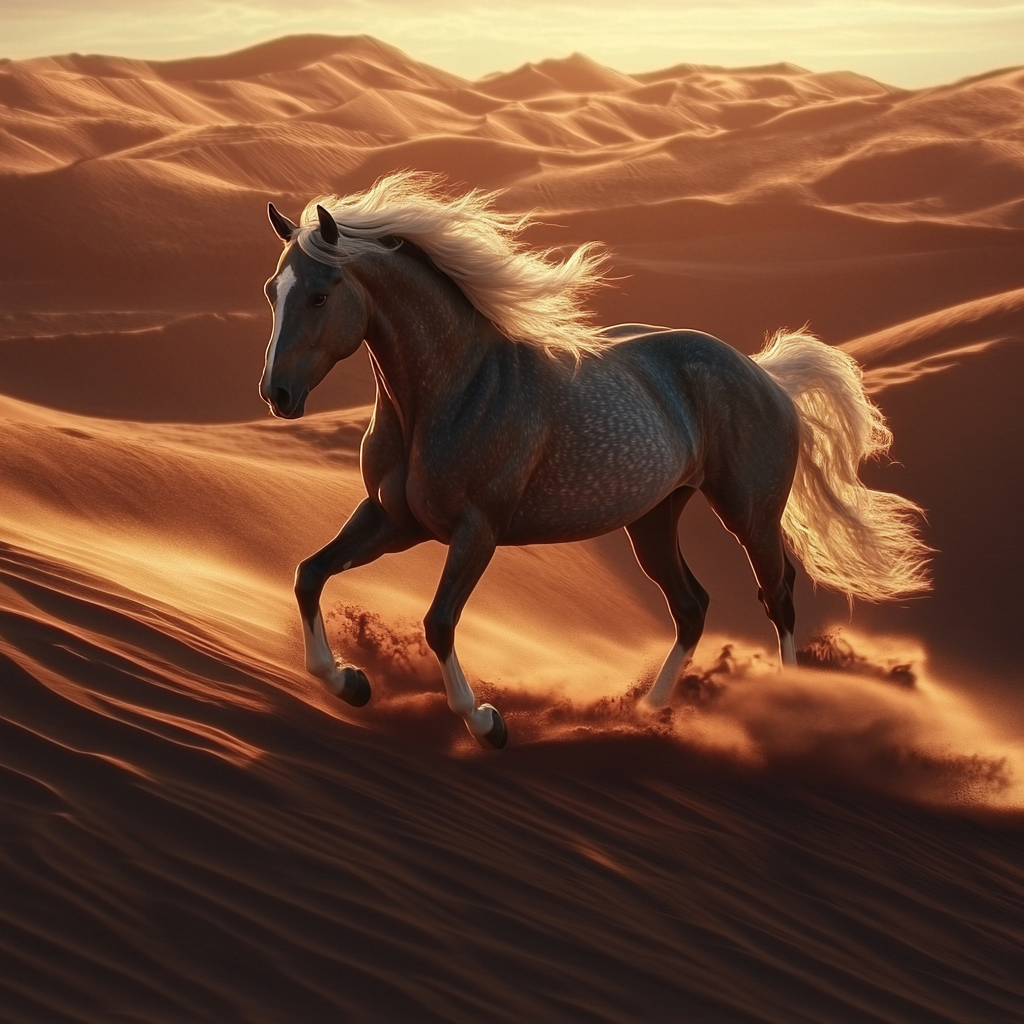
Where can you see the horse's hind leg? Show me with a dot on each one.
(758, 530)
(369, 533)
(775, 577)
(655, 542)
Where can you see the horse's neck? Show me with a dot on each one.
(425, 338)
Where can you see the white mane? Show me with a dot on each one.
(532, 297)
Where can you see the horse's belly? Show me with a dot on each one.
(586, 489)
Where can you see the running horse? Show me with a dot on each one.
(503, 417)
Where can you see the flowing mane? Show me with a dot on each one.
(531, 296)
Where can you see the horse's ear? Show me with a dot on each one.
(328, 226)
(282, 225)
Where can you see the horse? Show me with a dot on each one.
(502, 417)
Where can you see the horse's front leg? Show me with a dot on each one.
(369, 533)
(470, 550)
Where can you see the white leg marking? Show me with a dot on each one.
(787, 648)
(284, 285)
(320, 662)
(479, 720)
(678, 658)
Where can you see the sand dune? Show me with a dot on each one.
(193, 814)
(195, 831)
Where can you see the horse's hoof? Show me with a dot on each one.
(355, 688)
(497, 737)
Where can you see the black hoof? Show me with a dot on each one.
(498, 735)
(356, 689)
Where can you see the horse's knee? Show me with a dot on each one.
(440, 635)
(309, 581)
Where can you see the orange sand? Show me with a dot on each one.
(194, 831)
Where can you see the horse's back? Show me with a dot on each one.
(720, 381)
(668, 352)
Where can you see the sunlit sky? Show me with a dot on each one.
(908, 43)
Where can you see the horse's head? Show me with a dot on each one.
(320, 317)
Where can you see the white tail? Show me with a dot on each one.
(848, 537)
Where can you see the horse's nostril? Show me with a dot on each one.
(280, 398)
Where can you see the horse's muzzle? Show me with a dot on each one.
(286, 406)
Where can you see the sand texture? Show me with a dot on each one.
(191, 829)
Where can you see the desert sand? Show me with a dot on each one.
(192, 830)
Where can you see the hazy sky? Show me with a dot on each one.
(902, 42)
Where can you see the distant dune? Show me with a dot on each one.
(194, 831)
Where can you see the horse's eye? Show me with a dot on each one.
(319, 299)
